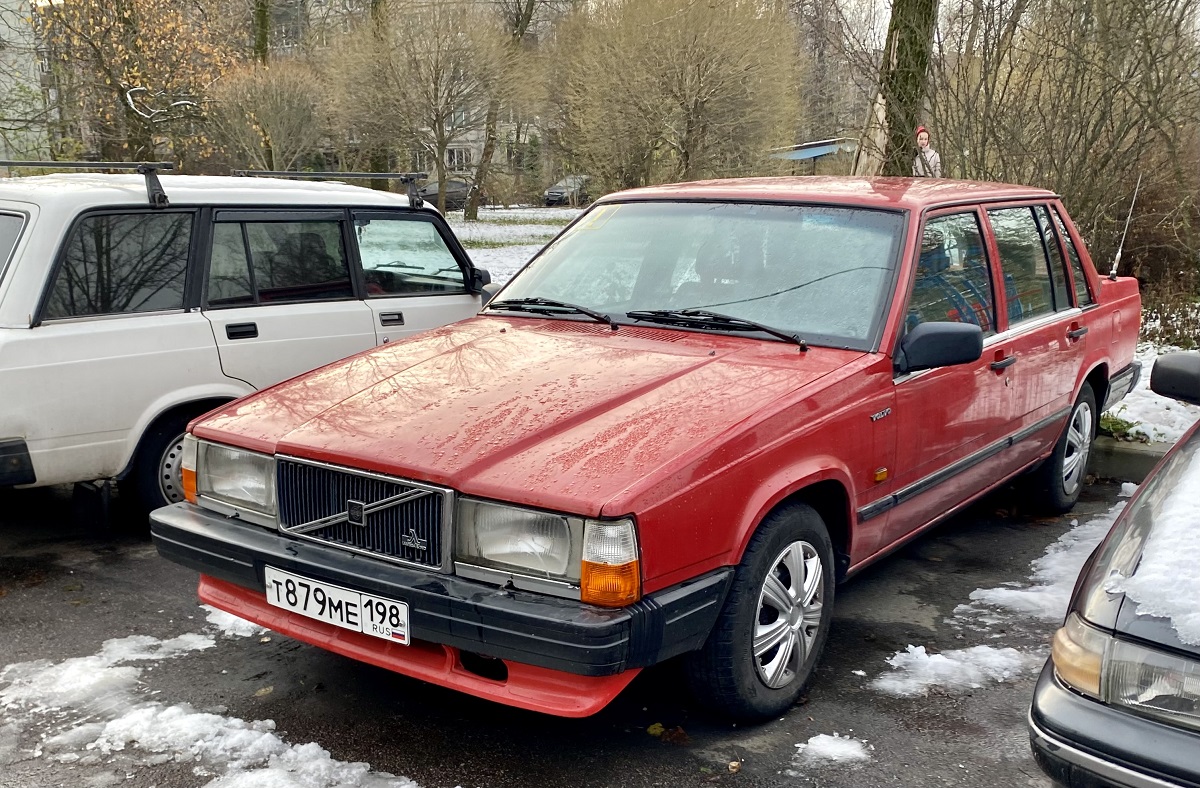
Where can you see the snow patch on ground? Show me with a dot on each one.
(915, 670)
(504, 234)
(1127, 490)
(96, 711)
(1053, 576)
(1166, 582)
(824, 748)
(528, 214)
(230, 625)
(1157, 418)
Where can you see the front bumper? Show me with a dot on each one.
(1082, 743)
(589, 653)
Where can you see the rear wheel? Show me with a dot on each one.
(1057, 483)
(761, 654)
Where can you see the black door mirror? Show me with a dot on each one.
(479, 278)
(932, 345)
(1177, 375)
(488, 291)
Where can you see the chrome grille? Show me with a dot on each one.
(401, 521)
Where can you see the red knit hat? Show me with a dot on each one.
(920, 129)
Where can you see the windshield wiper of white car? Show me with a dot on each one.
(702, 318)
(548, 306)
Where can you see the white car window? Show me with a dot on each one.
(405, 256)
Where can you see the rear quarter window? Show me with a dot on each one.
(121, 264)
(11, 225)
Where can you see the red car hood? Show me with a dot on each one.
(550, 413)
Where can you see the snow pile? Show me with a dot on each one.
(1127, 490)
(111, 716)
(823, 747)
(1156, 418)
(969, 668)
(230, 625)
(1053, 577)
(1166, 582)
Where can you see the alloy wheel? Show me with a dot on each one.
(1079, 446)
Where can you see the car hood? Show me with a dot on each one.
(559, 414)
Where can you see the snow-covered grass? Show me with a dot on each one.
(97, 711)
(526, 214)
(1154, 418)
(505, 261)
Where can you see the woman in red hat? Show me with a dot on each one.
(927, 164)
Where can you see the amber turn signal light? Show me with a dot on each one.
(607, 585)
(188, 466)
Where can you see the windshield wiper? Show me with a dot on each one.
(715, 320)
(547, 306)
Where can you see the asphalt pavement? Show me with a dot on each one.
(69, 581)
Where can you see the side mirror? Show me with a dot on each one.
(488, 291)
(479, 278)
(932, 345)
(1177, 375)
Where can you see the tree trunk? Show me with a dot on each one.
(471, 211)
(262, 30)
(902, 87)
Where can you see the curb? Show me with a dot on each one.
(1124, 461)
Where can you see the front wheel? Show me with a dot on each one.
(157, 476)
(762, 651)
(1060, 479)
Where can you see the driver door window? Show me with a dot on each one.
(405, 257)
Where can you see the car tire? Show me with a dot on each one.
(1056, 484)
(156, 477)
(748, 681)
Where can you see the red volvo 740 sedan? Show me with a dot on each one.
(673, 432)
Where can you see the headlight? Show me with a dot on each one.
(1120, 673)
(599, 557)
(236, 477)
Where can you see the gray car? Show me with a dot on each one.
(1118, 703)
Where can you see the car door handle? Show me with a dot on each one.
(241, 330)
(1001, 363)
(1076, 333)
(391, 318)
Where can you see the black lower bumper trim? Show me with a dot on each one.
(560, 634)
(1121, 384)
(16, 466)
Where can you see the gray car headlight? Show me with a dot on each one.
(237, 477)
(1153, 683)
(541, 544)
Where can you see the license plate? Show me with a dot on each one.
(358, 612)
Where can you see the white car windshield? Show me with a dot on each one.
(823, 273)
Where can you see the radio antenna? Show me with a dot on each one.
(1117, 260)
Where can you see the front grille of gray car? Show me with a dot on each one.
(401, 521)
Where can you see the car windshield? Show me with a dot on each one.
(821, 272)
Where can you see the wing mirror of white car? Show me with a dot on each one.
(1177, 375)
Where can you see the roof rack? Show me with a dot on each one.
(154, 189)
(409, 178)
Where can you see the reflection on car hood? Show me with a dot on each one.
(560, 414)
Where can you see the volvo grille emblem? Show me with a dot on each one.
(356, 513)
(411, 539)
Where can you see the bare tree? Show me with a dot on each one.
(268, 117)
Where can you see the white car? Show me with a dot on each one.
(122, 320)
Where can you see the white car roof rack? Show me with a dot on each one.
(154, 189)
(408, 178)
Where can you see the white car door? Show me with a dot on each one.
(280, 294)
(416, 279)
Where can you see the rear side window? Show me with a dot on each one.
(405, 256)
(952, 280)
(1058, 271)
(1027, 283)
(122, 263)
(1083, 296)
(268, 262)
(10, 231)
